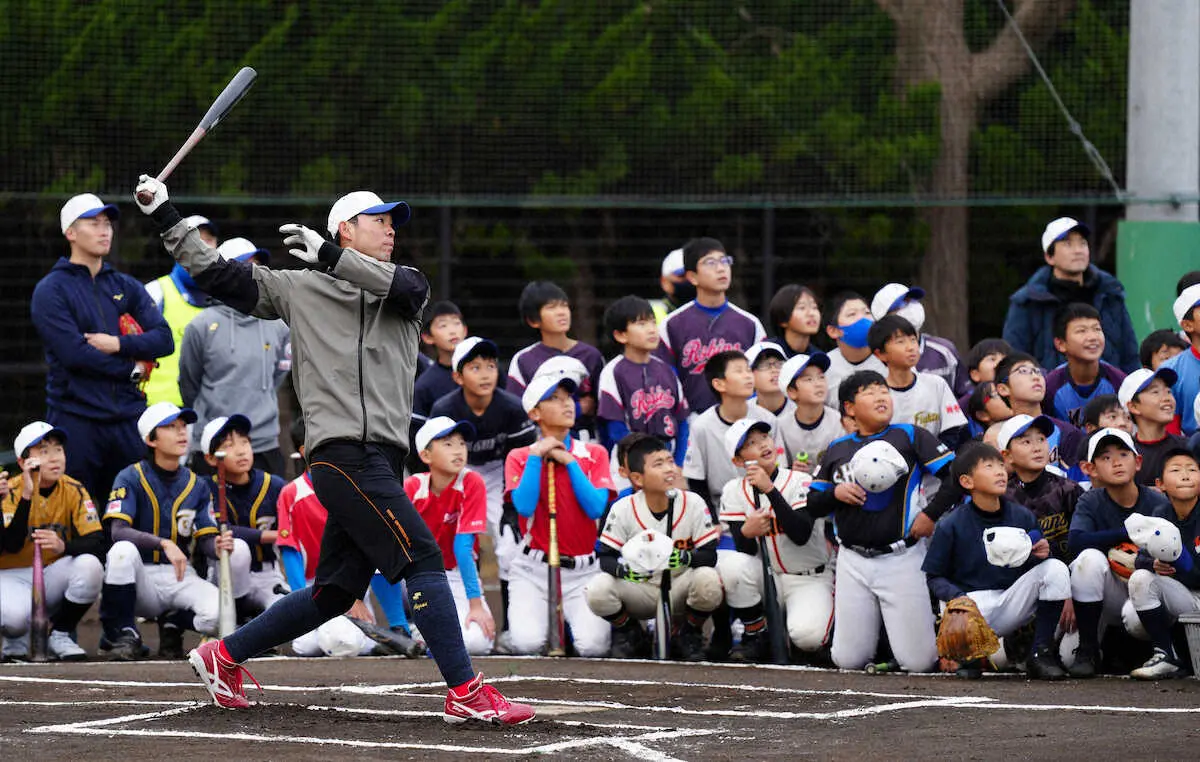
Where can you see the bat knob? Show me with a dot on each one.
(145, 198)
(672, 493)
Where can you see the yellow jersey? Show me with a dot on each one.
(67, 509)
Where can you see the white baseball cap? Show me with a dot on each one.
(1060, 229)
(542, 387)
(735, 437)
(796, 365)
(1140, 379)
(215, 430)
(890, 296)
(470, 348)
(1007, 546)
(672, 264)
(563, 366)
(242, 249)
(756, 351)
(32, 433)
(161, 414)
(442, 426)
(364, 202)
(1106, 434)
(83, 206)
(1185, 301)
(1018, 425)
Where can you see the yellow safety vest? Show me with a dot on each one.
(164, 381)
(660, 309)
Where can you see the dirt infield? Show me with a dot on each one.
(386, 708)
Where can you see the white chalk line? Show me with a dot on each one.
(95, 702)
(419, 713)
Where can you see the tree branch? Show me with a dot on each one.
(891, 8)
(994, 69)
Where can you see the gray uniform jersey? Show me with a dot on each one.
(799, 438)
(928, 403)
(706, 457)
(840, 368)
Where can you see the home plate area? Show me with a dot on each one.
(598, 710)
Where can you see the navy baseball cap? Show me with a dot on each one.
(215, 431)
(470, 348)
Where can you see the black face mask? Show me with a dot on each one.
(684, 293)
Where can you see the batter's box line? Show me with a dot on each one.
(634, 744)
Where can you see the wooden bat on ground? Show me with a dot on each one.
(662, 617)
(776, 628)
(39, 622)
(227, 611)
(220, 108)
(556, 642)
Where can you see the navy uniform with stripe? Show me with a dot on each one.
(258, 579)
(139, 579)
(879, 575)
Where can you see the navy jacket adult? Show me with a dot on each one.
(1029, 326)
(81, 380)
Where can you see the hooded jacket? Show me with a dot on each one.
(1029, 326)
(355, 330)
(80, 379)
(233, 363)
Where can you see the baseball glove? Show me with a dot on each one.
(142, 368)
(964, 635)
(1121, 558)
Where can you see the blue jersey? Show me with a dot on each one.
(1099, 522)
(957, 552)
(252, 511)
(1187, 366)
(887, 516)
(1187, 570)
(176, 507)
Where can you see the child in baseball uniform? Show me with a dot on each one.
(639, 391)
(156, 511)
(1146, 394)
(546, 309)
(920, 398)
(1187, 364)
(848, 323)
(807, 430)
(1079, 336)
(1161, 592)
(766, 508)
(766, 360)
(453, 501)
(43, 506)
(1024, 442)
(879, 577)
(442, 330)
(1021, 383)
(980, 363)
(501, 426)
(937, 356)
(965, 558)
(1160, 346)
(576, 476)
(710, 324)
(623, 595)
(251, 495)
(794, 314)
(1100, 596)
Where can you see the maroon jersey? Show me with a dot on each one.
(692, 334)
(526, 362)
(646, 398)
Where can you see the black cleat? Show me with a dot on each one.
(170, 640)
(1085, 662)
(754, 648)
(630, 642)
(1043, 665)
(391, 642)
(970, 670)
(127, 646)
(689, 644)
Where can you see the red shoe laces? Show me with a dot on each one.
(233, 674)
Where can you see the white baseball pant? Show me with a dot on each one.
(259, 586)
(528, 617)
(1148, 590)
(807, 599)
(891, 590)
(476, 642)
(1009, 609)
(159, 591)
(75, 578)
(699, 588)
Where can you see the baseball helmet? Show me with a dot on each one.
(339, 637)
(647, 551)
(567, 367)
(1159, 537)
(878, 466)
(1007, 546)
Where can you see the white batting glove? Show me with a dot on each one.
(149, 194)
(309, 239)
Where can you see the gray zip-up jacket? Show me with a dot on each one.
(233, 363)
(355, 329)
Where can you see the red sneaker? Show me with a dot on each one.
(222, 677)
(479, 701)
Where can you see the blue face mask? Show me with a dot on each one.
(855, 334)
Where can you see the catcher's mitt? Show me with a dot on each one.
(1121, 558)
(964, 634)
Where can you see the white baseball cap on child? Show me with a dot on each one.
(441, 426)
(161, 414)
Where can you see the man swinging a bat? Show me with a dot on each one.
(355, 323)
